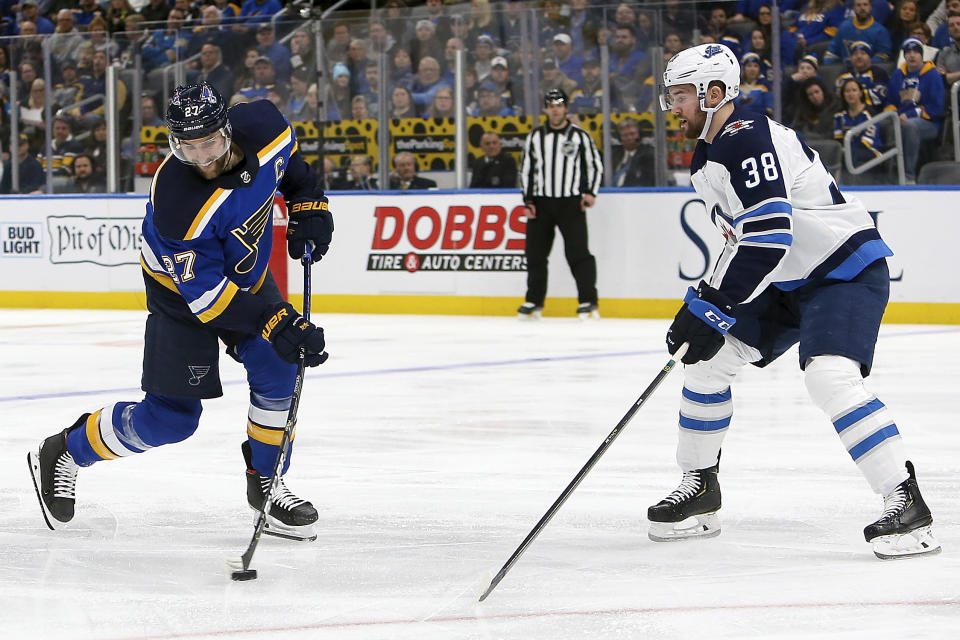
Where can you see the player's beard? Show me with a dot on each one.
(217, 167)
(695, 126)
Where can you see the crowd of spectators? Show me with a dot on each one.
(87, 36)
(899, 56)
(843, 62)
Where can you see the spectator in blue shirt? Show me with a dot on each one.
(490, 103)
(861, 28)
(748, 9)
(938, 22)
(818, 22)
(581, 15)
(867, 145)
(916, 92)
(427, 82)
(254, 11)
(264, 78)
(211, 31)
(86, 11)
(552, 22)
(32, 178)
(588, 98)
(754, 95)
(873, 78)
(625, 58)
(30, 13)
(568, 61)
(167, 45)
(267, 45)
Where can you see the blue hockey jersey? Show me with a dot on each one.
(783, 218)
(873, 33)
(210, 240)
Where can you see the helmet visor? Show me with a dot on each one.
(201, 152)
(666, 100)
(681, 95)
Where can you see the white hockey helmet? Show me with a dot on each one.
(700, 66)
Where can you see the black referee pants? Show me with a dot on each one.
(565, 214)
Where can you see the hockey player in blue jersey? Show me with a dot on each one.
(803, 264)
(206, 247)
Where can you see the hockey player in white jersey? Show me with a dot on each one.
(802, 263)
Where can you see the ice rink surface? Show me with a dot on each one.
(431, 446)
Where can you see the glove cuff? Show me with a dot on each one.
(701, 303)
(275, 319)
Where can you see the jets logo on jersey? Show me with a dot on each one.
(250, 232)
(729, 236)
(737, 126)
(711, 51)
(724, 223)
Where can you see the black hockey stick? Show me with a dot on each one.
(585, 470)
(240, 567)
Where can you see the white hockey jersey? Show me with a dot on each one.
(783, 218)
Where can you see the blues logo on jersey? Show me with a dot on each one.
(208, 240)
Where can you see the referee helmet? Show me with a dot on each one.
(555, 96)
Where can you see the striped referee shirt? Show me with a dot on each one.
(560, 163)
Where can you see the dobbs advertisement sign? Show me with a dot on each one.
(455, 237)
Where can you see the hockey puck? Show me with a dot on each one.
(240, 576)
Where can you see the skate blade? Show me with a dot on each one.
(706, 525)
(590, 315)
(919, 542)
(33, 463)
(275, 528)
(527, 317)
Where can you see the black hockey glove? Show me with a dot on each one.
(287, 331)
(702, 322)
(309, 221)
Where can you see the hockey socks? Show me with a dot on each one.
(861, 420)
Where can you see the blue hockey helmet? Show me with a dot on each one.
(200, 132)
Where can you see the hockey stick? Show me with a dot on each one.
(240, 567)
(585, 470)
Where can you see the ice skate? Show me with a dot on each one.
(588, 311)
(529, 311)
(690, 511)
(290, 517)
(54, 475)
(904, 529)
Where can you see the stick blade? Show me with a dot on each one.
(239, 572)
(492, 586)
(243, 576)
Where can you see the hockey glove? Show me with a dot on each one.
(309, 221)
(702, 322)
(287, 331)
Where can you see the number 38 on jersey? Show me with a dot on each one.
(766, 169)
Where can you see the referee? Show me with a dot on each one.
(560, 175)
